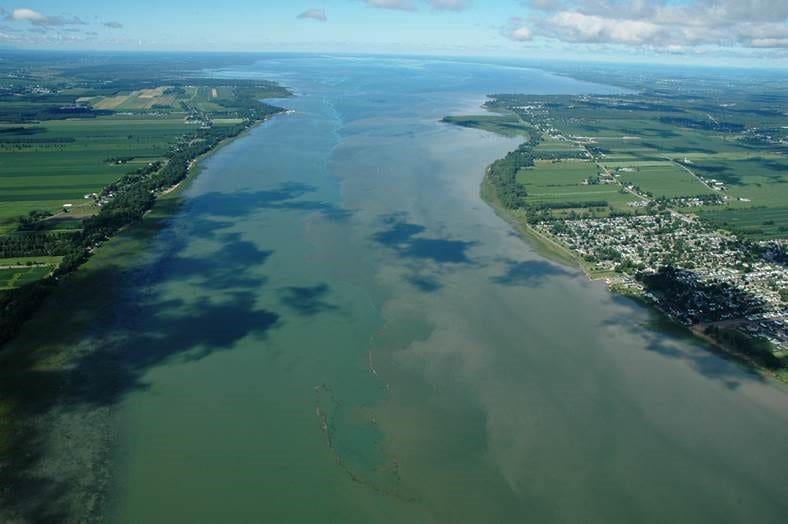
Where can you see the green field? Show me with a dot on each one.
(757, 191)
(70, 159)
(552, 148)
(142, 99)
(15, 277)
(212, 98)
(82, 135)
(202, 98)
(21, 261)
(745, 171)
(756, 223)
(720, 133)
(659, 179)
(555, 182)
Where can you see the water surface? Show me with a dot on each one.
(335, 328)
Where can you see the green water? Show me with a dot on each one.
(335, 328)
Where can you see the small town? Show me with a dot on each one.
(724, 279)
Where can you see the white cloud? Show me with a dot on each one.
(314, 14)
(39, 19)
(522, 34)
(577, 27)
(662, 24)
(28, 14)
(769, 42)
(113, 25)
(517, 30)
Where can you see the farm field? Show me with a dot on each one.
(80, 134)
(208, 98)
(649, 137)
(71, 158)
(550, 148)
(15, 277)
(136, 100)
(551, 183)
(720, 148)
(21, 261)
(742, 171)
(204, 98)
(758, 223)
(660, 179)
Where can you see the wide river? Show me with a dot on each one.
(335, 328)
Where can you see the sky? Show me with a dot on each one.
(711, 32)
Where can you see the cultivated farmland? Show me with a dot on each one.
(72, 158)
(77, 138)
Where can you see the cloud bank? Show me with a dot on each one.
(39, 19)
(658, 24)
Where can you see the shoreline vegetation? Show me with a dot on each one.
(44, 392)
(723, 341)
(524, 188)
(54, 433)
(123, 201)
(41, 395)
(55, 429)
(131, 198)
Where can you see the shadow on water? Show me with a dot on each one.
(702, 356)
(121, 324)
(143, 335)
(426, 256)
(230, 267)
(531, 273)
(407, 241)
(307, 301)
(286, 196)
(427, 284)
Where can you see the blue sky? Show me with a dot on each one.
(715, 32)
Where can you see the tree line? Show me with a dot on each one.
(502, 174)
(132, 196)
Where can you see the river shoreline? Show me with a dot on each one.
(290, 267)
(561, 254)
(54, 447)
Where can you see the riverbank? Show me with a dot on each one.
(545, 245)
(56, 395)
(554, 250)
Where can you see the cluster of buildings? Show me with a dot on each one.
(697, 201)
(721, 278)
(709, 278)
